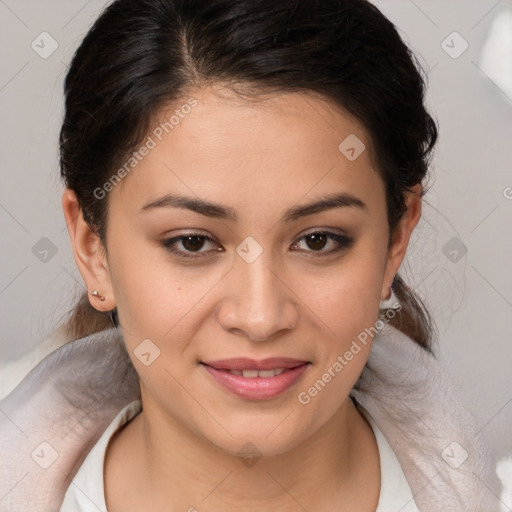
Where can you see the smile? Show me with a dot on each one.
(256, 383)
(256, 373)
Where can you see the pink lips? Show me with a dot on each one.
(256, 388)
(244, 363)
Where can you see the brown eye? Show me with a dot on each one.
(317, 241)
(190, 244)
(193, 243)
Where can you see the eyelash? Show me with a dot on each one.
(343, 241)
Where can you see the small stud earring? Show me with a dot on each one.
(95, 293)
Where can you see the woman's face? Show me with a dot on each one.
(253, 281)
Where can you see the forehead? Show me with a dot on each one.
(252, 154)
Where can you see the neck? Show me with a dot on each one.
(172, 465)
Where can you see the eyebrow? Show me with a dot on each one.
(209, 209)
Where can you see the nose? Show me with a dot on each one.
(258, 302)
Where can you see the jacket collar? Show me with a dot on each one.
(56, 414)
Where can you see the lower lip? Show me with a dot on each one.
(257, 388)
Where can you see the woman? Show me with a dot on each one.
(242, 181)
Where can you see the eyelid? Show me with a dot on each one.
(325, 229)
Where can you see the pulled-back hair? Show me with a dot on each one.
(143, 56)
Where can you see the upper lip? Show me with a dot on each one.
(245, 363)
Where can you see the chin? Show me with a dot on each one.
(266, 438)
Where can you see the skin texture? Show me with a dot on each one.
(259, 159)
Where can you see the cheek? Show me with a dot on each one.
(151, 294)
(346, 296)
(156, 302)
(346, 301)
(348, 307)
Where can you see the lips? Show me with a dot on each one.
(256, 380)
(244, 363)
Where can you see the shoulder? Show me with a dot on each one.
(86, 491)
(415, 403)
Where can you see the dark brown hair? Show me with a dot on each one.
(142, 56)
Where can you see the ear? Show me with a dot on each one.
(401, 236)
(89, 253)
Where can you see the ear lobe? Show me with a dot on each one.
(402, 235)
(89, 253)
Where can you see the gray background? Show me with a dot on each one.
(460, 255)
